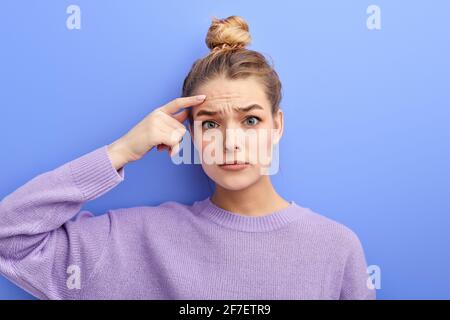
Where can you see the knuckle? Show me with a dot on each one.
(181, 130)
(175, 138)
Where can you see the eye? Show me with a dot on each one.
(206, 124)
(252, 120)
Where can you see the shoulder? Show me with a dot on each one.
(330, 232)
(165, 211)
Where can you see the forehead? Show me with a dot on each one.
(223, 93)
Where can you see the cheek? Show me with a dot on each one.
(212, 145)
(265, 138)
(262, 156)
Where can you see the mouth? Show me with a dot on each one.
(234, 166)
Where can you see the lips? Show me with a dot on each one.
(234, 166)
(232, 163)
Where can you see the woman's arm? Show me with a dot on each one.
(41, 249)
(45, 252)
(355, 278)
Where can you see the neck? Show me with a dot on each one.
(256, 200)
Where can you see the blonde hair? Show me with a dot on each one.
(227, 39)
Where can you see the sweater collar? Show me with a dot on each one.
(237, 221)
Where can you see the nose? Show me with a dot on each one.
(234, 139)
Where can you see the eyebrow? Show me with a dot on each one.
(241, 110)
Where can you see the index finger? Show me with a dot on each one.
(182, 102)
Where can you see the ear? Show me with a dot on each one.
(278, 125)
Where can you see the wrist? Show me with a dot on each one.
(118, 154)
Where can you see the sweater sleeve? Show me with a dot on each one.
(49, 247)
(355, 277)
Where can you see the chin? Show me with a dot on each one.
(233, 185)
(233, 180)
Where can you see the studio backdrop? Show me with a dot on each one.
(366, 99)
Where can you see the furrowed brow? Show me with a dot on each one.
(250, 107)
(241, 110)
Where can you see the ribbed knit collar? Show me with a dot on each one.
(237, 221)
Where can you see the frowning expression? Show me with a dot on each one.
(234, 130)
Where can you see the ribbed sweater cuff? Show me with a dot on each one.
(94, 174)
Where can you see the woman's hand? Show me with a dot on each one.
(161, 128)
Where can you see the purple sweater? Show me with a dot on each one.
(54, 250)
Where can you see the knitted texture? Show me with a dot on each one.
(53, 249)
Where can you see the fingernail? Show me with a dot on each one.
(201, 97)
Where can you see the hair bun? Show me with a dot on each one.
(232, 32)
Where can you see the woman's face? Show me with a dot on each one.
(235, 124)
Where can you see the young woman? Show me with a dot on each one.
(243, 242)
